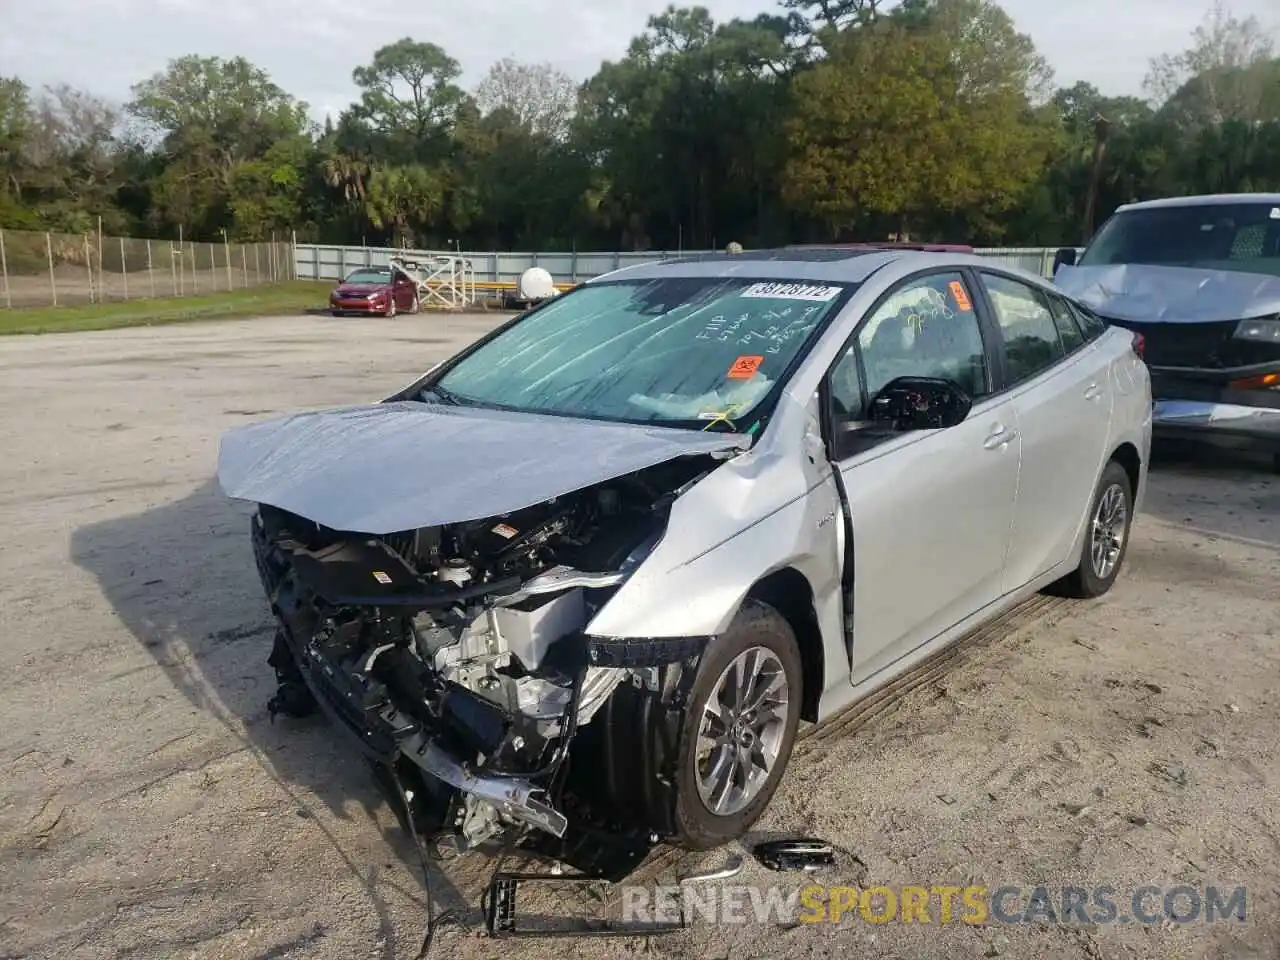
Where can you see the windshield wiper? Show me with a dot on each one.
(446, 396)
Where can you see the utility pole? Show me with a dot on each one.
(1101, 130)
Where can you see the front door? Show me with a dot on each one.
(931, 510)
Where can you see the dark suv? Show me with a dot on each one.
(1199, 279)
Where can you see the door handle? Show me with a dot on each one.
(999, 438)
(1093, 392)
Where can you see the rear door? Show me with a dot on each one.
(930, 510)
(1061, 388)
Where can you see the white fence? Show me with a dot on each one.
(323, 262)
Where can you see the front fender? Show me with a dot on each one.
(753, 515)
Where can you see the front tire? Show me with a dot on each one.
(1106, 536)
(739, 728)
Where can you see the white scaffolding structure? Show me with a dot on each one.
(444, 281)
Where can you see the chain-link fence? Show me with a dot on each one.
(52, 269)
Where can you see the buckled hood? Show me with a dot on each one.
(388, 467)
(1144, 293)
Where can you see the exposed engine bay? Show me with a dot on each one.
(457, 656)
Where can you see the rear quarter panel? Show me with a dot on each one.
(1131, 406)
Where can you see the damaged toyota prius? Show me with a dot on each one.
(576, 587)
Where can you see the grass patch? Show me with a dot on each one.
(277, 299)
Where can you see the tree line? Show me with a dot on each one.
(831, 120)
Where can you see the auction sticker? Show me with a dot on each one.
(792, 291)
(961, 295)
(744, 368)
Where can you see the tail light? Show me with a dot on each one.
(1139, 345)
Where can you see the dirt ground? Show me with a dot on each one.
(148, 808)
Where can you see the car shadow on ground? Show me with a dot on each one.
(1181, 492)
(182, 579)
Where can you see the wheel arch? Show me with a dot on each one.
(1126, 454)
(789, 592)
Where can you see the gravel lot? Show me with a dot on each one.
(148, 808)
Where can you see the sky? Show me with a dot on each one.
(311, 46)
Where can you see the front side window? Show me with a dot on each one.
(677, 350)
(1211, 236)
(926, 328)
(1031, 341)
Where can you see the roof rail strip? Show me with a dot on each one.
(887, 245)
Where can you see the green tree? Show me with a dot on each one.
(1228, 73)
(685, 131)
(401, 198)
(906, 126)
(539, 98)
(214, 121)
(15, 129)
(408, 95)
(836, 14)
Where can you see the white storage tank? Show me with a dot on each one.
(535, 284)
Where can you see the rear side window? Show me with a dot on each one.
(1031, 341)
(1092, 325)
(1068, 329)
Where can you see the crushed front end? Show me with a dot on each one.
(457, 657)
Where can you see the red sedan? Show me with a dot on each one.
(375, 290)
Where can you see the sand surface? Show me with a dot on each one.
(149, 808)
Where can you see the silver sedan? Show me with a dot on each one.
(585, 579)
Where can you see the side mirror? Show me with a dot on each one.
(921, 403)
(1066, 257)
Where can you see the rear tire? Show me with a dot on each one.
(1106, 537)
(755, 730)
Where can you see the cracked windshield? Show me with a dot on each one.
(672, 350)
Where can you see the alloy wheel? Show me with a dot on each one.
(1109, 529)
(741, 731)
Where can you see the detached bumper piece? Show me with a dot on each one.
(803, 853)
(501, 919)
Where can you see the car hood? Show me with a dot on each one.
(1171, 294)
(388, 467)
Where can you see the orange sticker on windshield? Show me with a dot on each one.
(744, 368)
(962, 297)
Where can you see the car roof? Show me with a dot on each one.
(836, 264)
(1203, 200)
